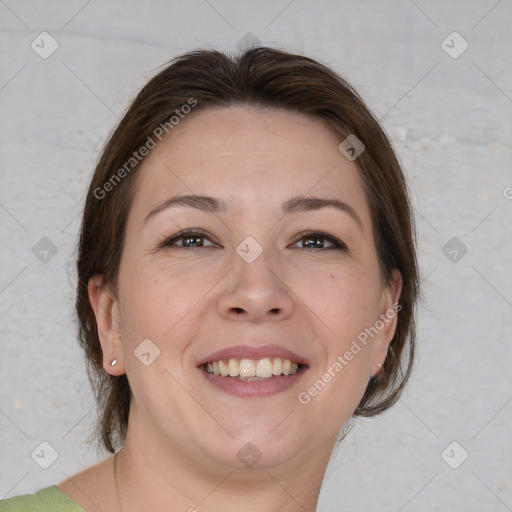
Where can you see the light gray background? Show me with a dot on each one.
(450, 120)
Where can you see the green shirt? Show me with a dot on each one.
(49, 499)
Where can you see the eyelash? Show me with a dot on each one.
(169, 242)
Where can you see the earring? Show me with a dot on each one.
(374, 375)
(113, 363)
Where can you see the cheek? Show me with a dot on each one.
(347, 306)
(344, 304)
(157, 293)
(156, 302)
(342, 301)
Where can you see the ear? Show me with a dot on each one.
(106, 311)
(389, 311)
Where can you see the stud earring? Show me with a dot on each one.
(113, 363)
(380, 366)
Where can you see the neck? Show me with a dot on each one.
(151, 478)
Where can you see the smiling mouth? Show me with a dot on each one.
(253, 369)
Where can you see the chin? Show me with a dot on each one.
(261, 446)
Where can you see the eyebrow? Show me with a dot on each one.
(293, 205)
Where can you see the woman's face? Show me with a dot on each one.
(248, 283)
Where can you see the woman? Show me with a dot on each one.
(247, 282)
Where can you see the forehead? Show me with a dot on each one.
(248, 157)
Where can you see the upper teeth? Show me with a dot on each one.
(246, 368)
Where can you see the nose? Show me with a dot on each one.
(256, 292)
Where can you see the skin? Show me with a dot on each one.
(184, 434)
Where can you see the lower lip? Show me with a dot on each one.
(253, 388)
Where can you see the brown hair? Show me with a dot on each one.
(262, 78)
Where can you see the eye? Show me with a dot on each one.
(314, 240)
(190, 239)
(193, 239)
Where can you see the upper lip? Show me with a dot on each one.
(253, 352)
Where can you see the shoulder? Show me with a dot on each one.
(93, 489)
(49, 499)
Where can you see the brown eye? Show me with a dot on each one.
(189, 240)
(316, 240)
